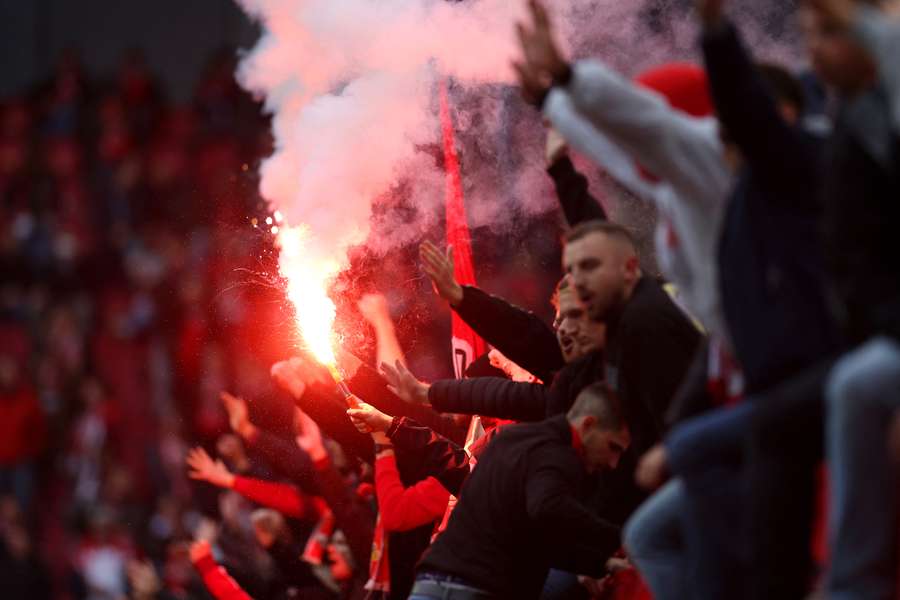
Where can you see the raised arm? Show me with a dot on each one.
(679, 149)
(491, 397)
(572, 191)
(675, 147)
(778, 152)
(520, 335)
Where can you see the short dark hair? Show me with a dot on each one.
(600, 401)
(783, 85)
(563, 284)
(586, 228)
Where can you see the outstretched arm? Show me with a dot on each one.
(520, 335)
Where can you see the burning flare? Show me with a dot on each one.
(307, 289)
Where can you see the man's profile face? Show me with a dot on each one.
(600, 267)
(603, 448)
(577, 334)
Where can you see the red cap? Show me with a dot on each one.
(684, 85)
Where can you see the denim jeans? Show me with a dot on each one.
(863, 395)
(561, 585)
(447, 587)
(707, 456)
(655, 542)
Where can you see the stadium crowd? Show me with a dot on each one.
(728, 429)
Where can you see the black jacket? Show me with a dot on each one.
(520, 335)
(862, 199)
(771, 262)
(576, 201)
(519, 514)
(440, 458)
(650, 344)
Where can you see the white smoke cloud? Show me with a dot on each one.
(351, 87)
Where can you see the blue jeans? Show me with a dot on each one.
(561, 585)
(706, 454)
(655, 542)
(863, 395)
(447, 587)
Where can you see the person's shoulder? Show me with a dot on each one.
(651, 309)
(648, 301)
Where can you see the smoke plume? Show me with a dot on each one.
(351, 86)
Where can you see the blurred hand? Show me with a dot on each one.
(542, 61)
(145, 583)
(597, 588)
(229, 447)
(200, 550)
(347, 362)
(838, 12)
(616, 564)
(653, 468)
(309, 436)
(374, 309)
(404, 384)
(710, 11)
(204, 468)
(439, 268)
(555, 148)
(368, 419)
(207, 530)
(238, 417)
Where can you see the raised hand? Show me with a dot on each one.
(439, 268)
(145, 583)
(309, 436)
(710, 11)
(296, 374)
(374, 309)
(404, 384)
(204, 468)
(200, 550)
(542, 62)
(238, 417)
(839, 12)
(368, 419)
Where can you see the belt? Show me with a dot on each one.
(446, 590)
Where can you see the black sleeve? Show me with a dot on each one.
(369, 385)
(327, 408)
(657, 350)
(692, 397)
(288, 459)
(350, 516)
(576, 201)
(776, 151)
(520, 335)
(491, 397)
(441, 458)
(583, 541)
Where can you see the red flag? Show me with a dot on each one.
(467, 345)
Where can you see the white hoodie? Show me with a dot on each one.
(618, 124)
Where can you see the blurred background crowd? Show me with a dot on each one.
(136, 287)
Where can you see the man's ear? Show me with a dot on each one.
(632, 268)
